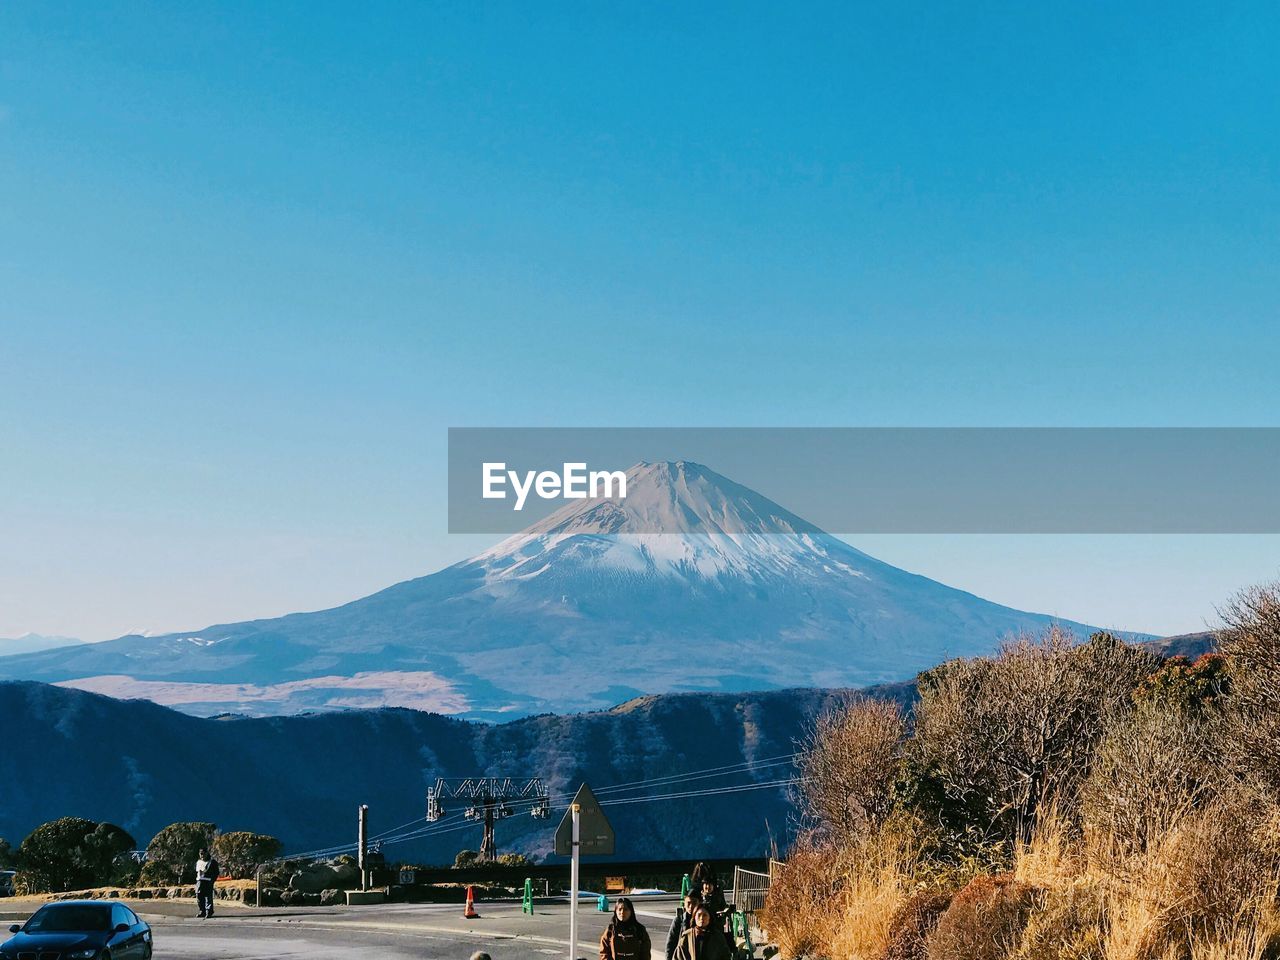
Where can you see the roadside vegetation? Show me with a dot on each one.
(1057, 801)
(72, 853)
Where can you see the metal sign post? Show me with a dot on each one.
(584, 829)
(575, 811)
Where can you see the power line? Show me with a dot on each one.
(400, 834)
(689, 776)
(702, 793)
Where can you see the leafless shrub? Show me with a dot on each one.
(1152, 770)
(798, 913)
(1008, 732)
(849, 766)
(1251, 644)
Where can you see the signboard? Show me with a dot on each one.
(595, 834)
(408, 877)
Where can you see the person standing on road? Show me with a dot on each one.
(625, 938)
(682, 922)
(206, 874)
(702, 941)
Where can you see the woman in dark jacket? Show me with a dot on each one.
(682, 922)
(625, 938)
(702, 941)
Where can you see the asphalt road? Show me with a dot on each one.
(393, 931)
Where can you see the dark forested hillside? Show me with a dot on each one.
(66, 752)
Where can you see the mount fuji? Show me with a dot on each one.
(582, 610)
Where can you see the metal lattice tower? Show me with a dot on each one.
(489, 799)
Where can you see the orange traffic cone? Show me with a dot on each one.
(470, 912)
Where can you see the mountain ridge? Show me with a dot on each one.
(691, 582)
(143, 766)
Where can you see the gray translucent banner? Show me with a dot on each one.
(880, 480)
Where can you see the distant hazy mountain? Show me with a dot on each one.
(301, 778)
(1190, 645)
(33, 643)
(583, 610)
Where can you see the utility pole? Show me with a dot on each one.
(488, 846)
(362, 860)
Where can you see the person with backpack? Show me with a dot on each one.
(702, 941)
(625, 938)
(682, 922)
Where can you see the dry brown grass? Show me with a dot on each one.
(842, 901)
(1204, 890)
(985, 921)
(1166, 845)
(797, 915)
(914, 924)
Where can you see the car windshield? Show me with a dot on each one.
(65, 917)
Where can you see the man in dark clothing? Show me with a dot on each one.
(206, 874)
(682, 922)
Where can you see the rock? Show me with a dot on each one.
(332, 897)
(313, 878)
(348, 874)
(293, 898)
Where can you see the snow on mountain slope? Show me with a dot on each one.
(586, 608)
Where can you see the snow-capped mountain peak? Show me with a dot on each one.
(678, 519)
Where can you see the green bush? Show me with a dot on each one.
(240, 852)
(157, 874)
(178, 847)
(72, 853)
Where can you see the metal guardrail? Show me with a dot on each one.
(750, 889)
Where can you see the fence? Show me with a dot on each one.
(749, 889)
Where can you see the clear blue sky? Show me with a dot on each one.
(256, 258)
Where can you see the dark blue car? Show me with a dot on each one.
(80, 930)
